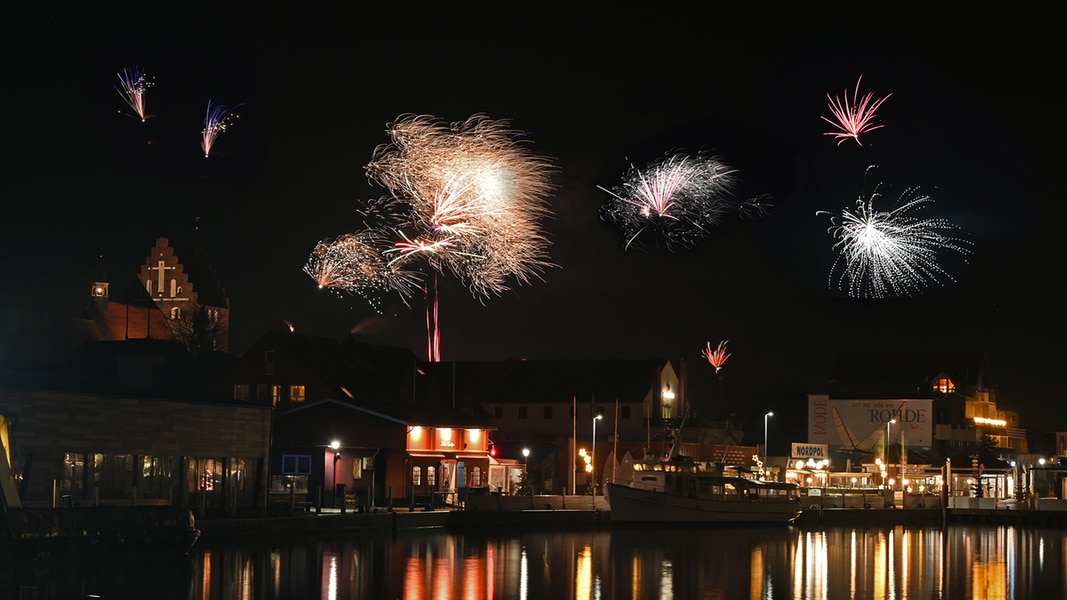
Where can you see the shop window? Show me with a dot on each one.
(416, 475)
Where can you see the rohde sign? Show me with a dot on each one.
(814, 451)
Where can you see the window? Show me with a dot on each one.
(522, 412)
(944, 385)
(275, 395)
(498, 412)
(625, 412)
(431, 476)
(476, 477)
(262, 391)
(296, 393)
(548, 412)
(240, 391)
(175, 313)
(296, 464)
(416, 475)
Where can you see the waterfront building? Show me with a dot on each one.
(901, 418)
(123, 423)
(362, 424)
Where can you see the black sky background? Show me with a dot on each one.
(972, 121)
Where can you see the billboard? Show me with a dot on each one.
(860, 427)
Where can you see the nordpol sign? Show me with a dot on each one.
(814, 451)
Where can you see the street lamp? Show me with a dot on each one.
(765, 419)
(525, 455)
(336, 445)
(593, 453)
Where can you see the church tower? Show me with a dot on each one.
(186, 292)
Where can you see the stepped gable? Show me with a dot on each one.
(200, 270)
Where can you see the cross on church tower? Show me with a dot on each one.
(162, 268)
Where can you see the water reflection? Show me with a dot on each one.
(769, 562)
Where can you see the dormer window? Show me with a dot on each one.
(944, 384)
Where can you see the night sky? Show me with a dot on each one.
(973, 121)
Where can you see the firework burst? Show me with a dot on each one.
(677, 199)
(855, 119)
(891, 253)
(465, 199)
(477, 198)
(217, 120)
(716, 357)
(132, 87)
(355, 263)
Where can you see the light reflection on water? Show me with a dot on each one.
(768, 562)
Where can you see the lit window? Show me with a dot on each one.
(431, 476)
(296, 393)
(416, 475)
(476, 477)
(944, 385)
(275, 394)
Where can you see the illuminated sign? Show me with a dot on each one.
(815, 451)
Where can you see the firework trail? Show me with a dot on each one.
(856, 119)
(216, 120)
(882, 254)
(132, 88)
(676, 200)
(717, 357)
(355, 263)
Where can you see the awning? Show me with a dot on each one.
(426, 454)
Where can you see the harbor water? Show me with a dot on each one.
(829, 562)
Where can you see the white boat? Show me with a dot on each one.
(682, 492)
(678, 489)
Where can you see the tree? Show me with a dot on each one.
(524, 487)
(199, 329)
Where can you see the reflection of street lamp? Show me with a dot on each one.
(592, 454)
(887, 424)
(765, 418)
